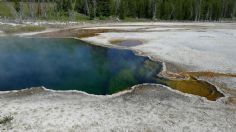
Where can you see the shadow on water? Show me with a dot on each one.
(68, 64)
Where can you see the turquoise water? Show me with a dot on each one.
(69, 64)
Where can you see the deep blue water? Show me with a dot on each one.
(69, 64)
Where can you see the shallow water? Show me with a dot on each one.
(68, 64)
(127, 43)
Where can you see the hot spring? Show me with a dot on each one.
(69, 64)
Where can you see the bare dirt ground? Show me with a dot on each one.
(183, 47)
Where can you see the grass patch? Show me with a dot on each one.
(64, 17)
(22, 29)
(4, 10)
(6, 119)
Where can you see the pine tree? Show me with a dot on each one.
(17, 5)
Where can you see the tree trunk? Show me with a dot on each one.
(43, 9)
(87, 8)
(94, 8)
(154, 10)
(72, 10)
(117, 4)
(196, 10)
(172, 11)
(39, 9)
(198, 5)
(223, 9)
(21, 11)
(234, 10)
(73, 5)
(31, 8)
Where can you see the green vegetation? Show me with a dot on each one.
(6, 119)
(19, 29)
(122, 9)
(4, 10)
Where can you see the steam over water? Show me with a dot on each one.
(68, 64)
